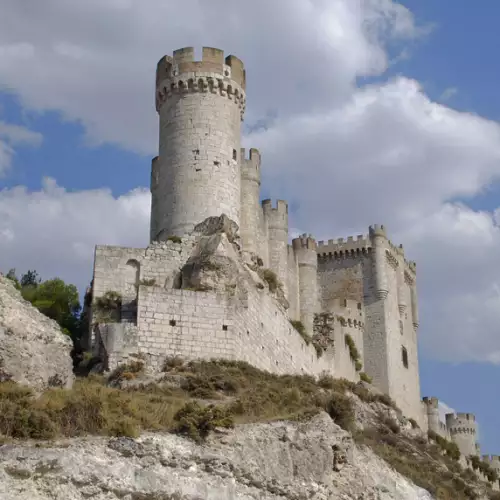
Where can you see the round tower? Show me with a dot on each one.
(250, 204)
(201, 106)
(378, 239)
(432, 406)
(307, 259)
(276, 220)
(462, 427)
(402, 302)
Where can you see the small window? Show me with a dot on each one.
(172, 322)
(404, 355)
(235, 154)
(401, 327)
(224, 327)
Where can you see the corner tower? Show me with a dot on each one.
(197, 173)
(463, 430)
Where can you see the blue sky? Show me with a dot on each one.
(98, 134)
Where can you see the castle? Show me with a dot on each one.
(219, 278)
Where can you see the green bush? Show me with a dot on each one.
(450, 448)
(270, 278)
(365, 378)
(196, 421)
(299, 326)
(353, 352)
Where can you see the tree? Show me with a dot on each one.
(58, 301)
(30, 278)
(11, 275)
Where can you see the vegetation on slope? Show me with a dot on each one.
(193, 398)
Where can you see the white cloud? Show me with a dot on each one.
(14, 135)
(55, 231)
(347, 157)
(449, 93)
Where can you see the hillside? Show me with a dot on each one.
(217, 430)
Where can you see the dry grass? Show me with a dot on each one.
(242, 394)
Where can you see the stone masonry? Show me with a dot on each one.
(220, 278)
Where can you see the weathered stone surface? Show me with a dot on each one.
(33, 349)
(282, 460)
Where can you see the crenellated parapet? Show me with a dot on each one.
(276, 217)
(250, 167)
(344, 248)
(213, 74)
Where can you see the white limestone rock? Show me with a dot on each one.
(33, 349)
(315, 460)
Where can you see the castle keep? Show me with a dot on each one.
(220, 279)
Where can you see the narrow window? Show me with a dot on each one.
(404, 355)
(224, 327)
(172, 322)
(400, 327)
(235, 154)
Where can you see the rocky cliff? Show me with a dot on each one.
(33, 349)
(315, 460)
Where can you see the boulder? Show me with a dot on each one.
(33, 349)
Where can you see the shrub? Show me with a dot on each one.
(171, 363)
(299, 326)
(196, 421)
(450, 448)
(108, 307)
(271, 279)
(413, 423)
(365, 378)
(340, 408)
(174, 239)
(353, 352)
(126, 371)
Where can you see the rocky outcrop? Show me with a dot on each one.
(33, 349)
(315, 460)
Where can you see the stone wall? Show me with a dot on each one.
(205, 325)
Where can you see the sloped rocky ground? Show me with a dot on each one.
(33, 349)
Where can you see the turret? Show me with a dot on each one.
(379, 242)
(402, 300)
(250, 195)
(413, 295)
(432, 407)
(276, 220)
(462, 427)
(305, 250)
(201, 106)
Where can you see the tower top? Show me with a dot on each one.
(214, 73)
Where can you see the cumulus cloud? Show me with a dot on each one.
(344, 157)
(55, 231)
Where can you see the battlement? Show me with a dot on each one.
(212, 61)
(250, 167)
(214, 74)
(277, 217)
(341, 248)
(304, 241)
(460, 420)
(492, 459)
(431, 402)
(377, 230)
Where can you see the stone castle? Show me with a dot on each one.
(219, 278)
